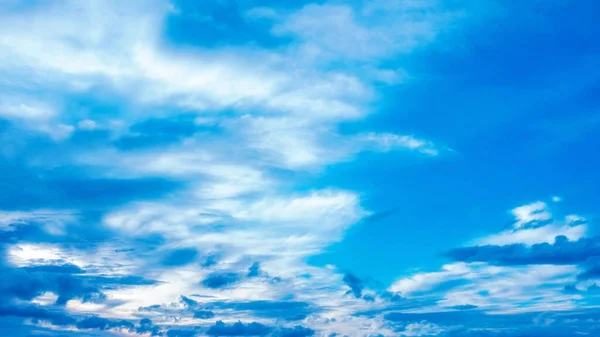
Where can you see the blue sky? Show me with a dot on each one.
(296, 168)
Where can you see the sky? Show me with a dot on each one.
(327, 168)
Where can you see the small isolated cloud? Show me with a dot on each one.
(389, 142)
(87, 124)
(532, 214)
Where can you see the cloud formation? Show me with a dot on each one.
(562, 251)
(171, 168)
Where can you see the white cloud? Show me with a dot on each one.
(59, 131)
(87, 124)
(505, 289)
(279, 230)
(493, 288)
(531, 213)
(348, 325)
(287, 141)
(301, 101)
(79, 45)
(25, 254)
(25, 109)
(287, 108)
(423, 328)
(94, 259)
(530, 236)
(339, 34)
(47, 298)
(389, 141)
(34, 114)
(271, 225)
(534, 224)
(77, 306)
(374, 30)
(421, 282)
